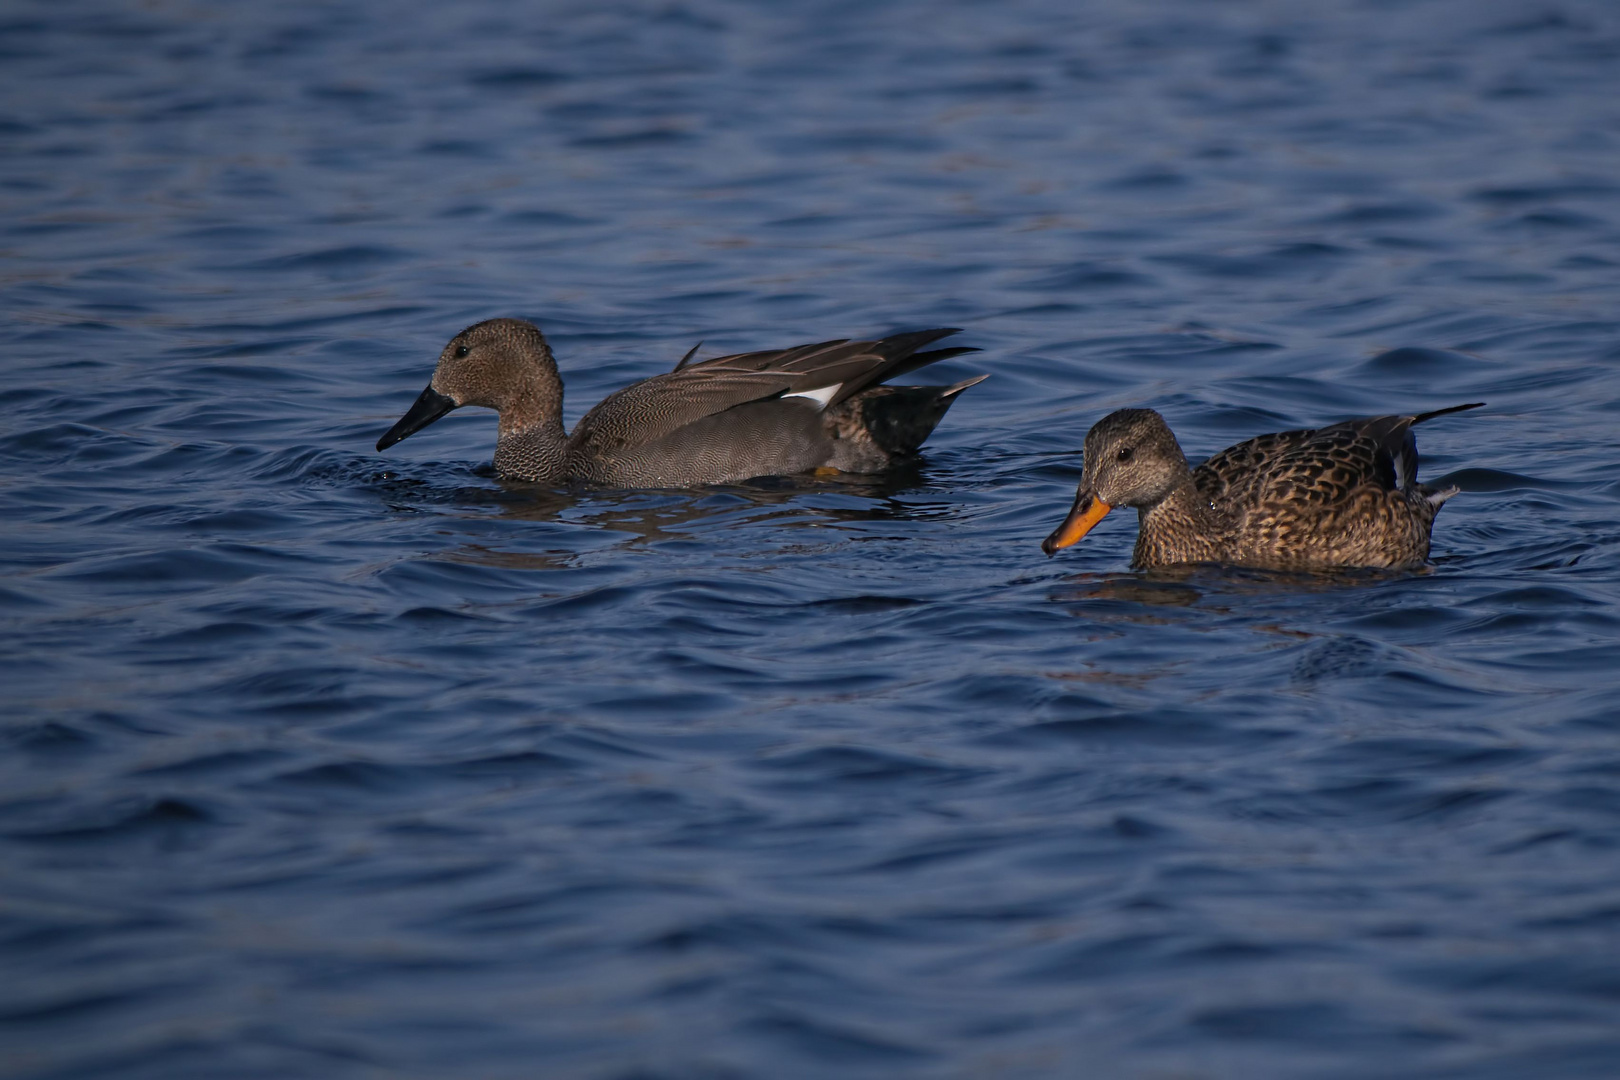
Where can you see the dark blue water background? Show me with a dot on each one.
(322, 762)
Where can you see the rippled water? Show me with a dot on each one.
(324, 762)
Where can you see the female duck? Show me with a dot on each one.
(1345, 495)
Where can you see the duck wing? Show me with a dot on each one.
(1229, 475)
(1396, 449)
(826, 372)
(1321, 466)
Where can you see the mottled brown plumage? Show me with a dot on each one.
(719, 421)
(1345, 495)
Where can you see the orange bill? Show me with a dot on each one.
(1088, 510)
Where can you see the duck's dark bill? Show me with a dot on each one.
(1088, 510)
(429, 406)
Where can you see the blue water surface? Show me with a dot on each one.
(321, 762)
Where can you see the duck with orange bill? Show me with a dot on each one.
(1339, 496)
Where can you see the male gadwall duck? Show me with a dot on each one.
(1345, 495)
(715, 422)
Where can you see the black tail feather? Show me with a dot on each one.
(1420, 417)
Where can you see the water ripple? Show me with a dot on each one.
(325, 761)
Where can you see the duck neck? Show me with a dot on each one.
(530, 443)
(1181, 527)
(538, 453)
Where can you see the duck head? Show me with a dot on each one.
(1131, 459)
(501, 364)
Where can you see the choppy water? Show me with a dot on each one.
(323, 762)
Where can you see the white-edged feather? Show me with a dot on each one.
(1400, 471)
(821, 395)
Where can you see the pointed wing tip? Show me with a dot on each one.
(687, 359)
(953, 390)
(934, 356)
(1420, 417)
(921, 337)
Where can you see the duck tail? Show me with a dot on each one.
(899, 419)
(1436, 497)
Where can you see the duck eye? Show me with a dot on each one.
(1124, 453)
(461, 351)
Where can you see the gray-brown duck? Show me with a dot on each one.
(718, 421)
(1345, 495)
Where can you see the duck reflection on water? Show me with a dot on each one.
(620, 519)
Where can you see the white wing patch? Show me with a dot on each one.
(821, 395)
(1400, 471)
